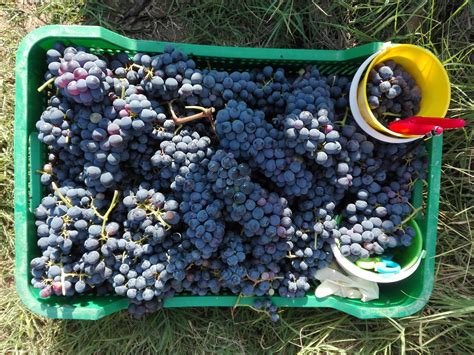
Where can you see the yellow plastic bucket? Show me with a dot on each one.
(428, 73)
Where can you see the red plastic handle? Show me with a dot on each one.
(436, 121)
(418, 125)
(414, 129)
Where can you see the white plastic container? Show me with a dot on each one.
(353, 269)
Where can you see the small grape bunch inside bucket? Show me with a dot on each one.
(392, 93)
(398, 91)
(376, 251)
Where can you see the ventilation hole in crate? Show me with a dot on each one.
(348, 71)
(322, 68)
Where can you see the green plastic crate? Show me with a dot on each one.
(396, 300)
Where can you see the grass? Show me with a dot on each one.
(445, 325)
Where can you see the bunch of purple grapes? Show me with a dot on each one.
(80, 76)
(246, 134)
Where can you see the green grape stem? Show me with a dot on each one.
(105, 217)
(61, 196)
(45, 85)
(411, 215)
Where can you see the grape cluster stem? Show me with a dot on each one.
(205, 113)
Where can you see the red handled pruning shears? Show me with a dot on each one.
(418, 125)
